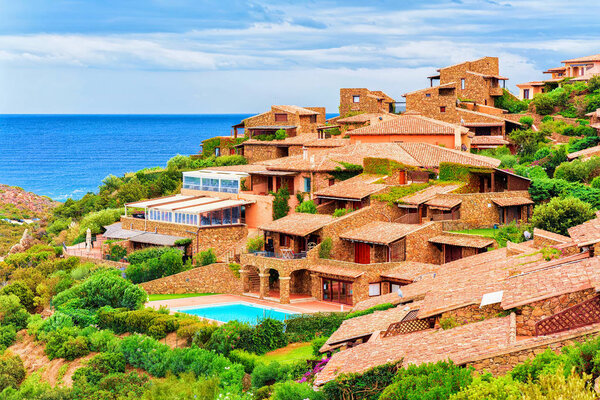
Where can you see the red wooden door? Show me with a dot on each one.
(362, 253)
(402, 177)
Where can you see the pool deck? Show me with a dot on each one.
(305, 307)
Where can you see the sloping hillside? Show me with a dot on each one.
(16, 203)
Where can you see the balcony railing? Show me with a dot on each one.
(281, 256)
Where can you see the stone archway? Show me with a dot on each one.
(250, 279)
(300, 282)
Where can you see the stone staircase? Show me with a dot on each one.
(254, 281)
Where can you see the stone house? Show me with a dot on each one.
(347, 124)
(465, 95)
(364, 100)
(413, 127)
(577, 69)
(294, 120)
(351, 194)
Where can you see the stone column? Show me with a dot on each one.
(264, 285)
(284, 289)
(244, 275)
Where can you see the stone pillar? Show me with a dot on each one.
(284, 289)
(264, 285)
(244, 275)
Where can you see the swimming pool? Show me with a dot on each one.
(241, 311)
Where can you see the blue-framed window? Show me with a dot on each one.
(307, 185)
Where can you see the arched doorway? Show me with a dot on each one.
(274, 281)
(300, 283)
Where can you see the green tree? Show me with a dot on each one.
(560, 214)
(307, 207)
(528, 140)
(131, 191)
(22, 291)
(12, 370)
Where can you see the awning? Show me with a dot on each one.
(116, 231)
(512, 201)
(217, 206)
(274, 173)
(270, 127)
(378, 232)
(156, 239)
(298, 224)
(464, 240)
(160, 200)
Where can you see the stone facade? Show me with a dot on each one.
(261, 152)
(419, 249)
(471, 313)
(477, 210)
(214, 278)
(529, 314)
(368, 101)
(303, 123)
(220, 238)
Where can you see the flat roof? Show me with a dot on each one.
(189, 204)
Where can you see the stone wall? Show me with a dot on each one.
(472, 313)
(418, 247)
(214, 278)
(503, 361)
(97, 261)
(302, 122)
(220, 238)
(366, 104)
(260, 152)
(529, 314)
(478, 210)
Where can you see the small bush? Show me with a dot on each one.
(305, 327)
(340, 212)
(255, 244)
(268, 335)
(203, 334)
(291, 390)
(248, 360)
(235, 268)
(365, 386)
(22, 291)
(280, 134)
(230, 336)
(527, 121)
(12, 370)
(206, 257)
(325, 248)
(379, 307)
(281, 206)
(317, 343)
(307, 207)
(266, 374)
(12, 312)
(8, 335)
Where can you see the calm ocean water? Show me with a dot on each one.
(64, 156)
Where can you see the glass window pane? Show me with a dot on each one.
(227, 216)
(204, 219)
(235, 215)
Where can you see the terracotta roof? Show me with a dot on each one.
(427, 194)
(155, 239)
(411, 270)
(329, 142)
(380, 232)
(551, 235)
(271, 127)
(511, 201)
(409, 125)
(365, 117)
(499, 77)
(355, 188)
(338, 271)
(258, 166)
(392, 298)
(556, 69)
(460, 344)
(445, 203)
(573, 274)
(414, 154)
(587, 233)
(595, 126)
(298, 224)
(595, 57)
(490, 116)
(294, 140)
(296, 110)
(430, 156)
(463, 240)
(411, 292)
(483, 124)
(357, 327)
(463, 282)
(589, 152)
(532, 83)
(449, 85)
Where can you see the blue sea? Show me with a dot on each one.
(63, 156)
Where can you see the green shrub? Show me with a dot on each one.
(595, 183)
(340, 212)
(263, 393)
(234, 159)
(105, 288)
(96, 221)
(509, 102)
(255, 244)
(183, 242)
(280, 134)
(248, 360)
(305, 327)
(531, 370)
(281, 206)
(8, 335)
(291, 390)
(527, 121)
(235, 269)
(268, 335)
(12, 370)
(184, 387)
(365, 386)
(317, 343)
(266, 374)
(448, 323)
(547, 118)
(168, 263)
(206, 257)
(560, 214)
(117, 252)
(512, 232)
(58, 225)
(138, 257)
(325, 248)
(307, 207)
(230, 336)
(22, 291)
(574, 171)
(203, 334)
(65, 343)
(428, 381)
(12, 312)
(584, 143)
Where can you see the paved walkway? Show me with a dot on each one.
(303, 307)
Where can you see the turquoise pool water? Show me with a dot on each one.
(243, 312)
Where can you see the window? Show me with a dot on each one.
(331, 181)
(525, 94)
(204, 219)
(284, 240)
(227, 216)
(209, 184)
(375, 289)
(229, 186)
(217, 151)
(279, 117)
(427, 94)
(462, 83)
(190, 182)
(356, 99)
(442, 109)
(216, 217)
(307, 185)
(394, 288)
(313, 119)
(235, 215)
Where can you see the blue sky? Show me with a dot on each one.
(229, 56)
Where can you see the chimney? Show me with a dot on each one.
(304, 153)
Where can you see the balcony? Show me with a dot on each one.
(496, 91)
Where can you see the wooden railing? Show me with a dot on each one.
(411, 218)
(579, 315)
(409, 324)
